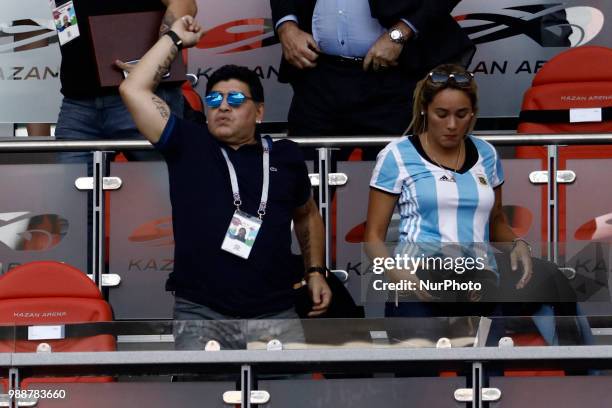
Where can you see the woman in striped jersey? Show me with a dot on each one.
(448, 187)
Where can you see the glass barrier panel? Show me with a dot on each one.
(545, 326)
(549, 322)
(141, 241)
(365, 392)
(254, 334)
(585, 220)
(550, 388)
(522, 201)
(42, 215)
(362, 333)
(351, 209)
(104, 392)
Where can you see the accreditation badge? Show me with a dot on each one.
(241, 234)
(65, 21)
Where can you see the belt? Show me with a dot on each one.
(342, 61)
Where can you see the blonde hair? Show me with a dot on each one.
(426, 90)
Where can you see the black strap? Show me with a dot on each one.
(557, 115)
(175, 39)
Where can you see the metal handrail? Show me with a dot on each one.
(317, 357)
(40, 145)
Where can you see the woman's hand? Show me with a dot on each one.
(522, 253)
(501, 232)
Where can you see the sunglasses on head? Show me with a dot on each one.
(234, 99)
(460, 79)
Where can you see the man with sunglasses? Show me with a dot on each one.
(353, 65)
(225, 178)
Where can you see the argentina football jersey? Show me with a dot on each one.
(438, 205)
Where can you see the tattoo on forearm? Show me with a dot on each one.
(163, 68)
(167, 22)
(305, 246)
(161, 107)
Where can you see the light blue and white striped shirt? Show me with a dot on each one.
(432, 208)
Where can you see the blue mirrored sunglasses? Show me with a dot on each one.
(234, 99)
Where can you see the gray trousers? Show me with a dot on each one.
(195, 325)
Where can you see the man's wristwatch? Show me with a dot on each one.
(175, 39)
(397, 36)
(317, 269)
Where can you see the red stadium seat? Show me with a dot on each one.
(193, 98)
(53, 293)
(578, 78)
(531, 340)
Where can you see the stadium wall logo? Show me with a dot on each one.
(21, 231)
(239, 35)
(549, 25)
(41, 26)
(25, 72)
(598, 228)
(154, 233)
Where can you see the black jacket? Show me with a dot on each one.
(440, 39)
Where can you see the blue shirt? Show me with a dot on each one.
(202, 208)
(344, 27)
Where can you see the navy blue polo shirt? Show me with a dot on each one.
(202, 207)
